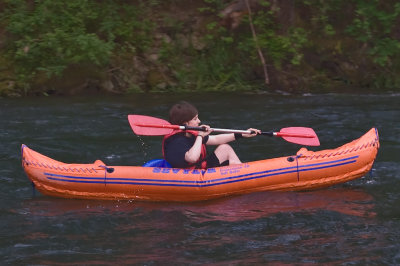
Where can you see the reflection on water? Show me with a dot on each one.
(261, 224)
(353, 223)
(232, 209)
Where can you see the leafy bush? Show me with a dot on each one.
(47, 36)
(373, 24)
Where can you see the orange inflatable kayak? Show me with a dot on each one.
(303, 171)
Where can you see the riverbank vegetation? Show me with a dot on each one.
(81, 46)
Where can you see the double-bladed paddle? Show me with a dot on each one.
(152, 126)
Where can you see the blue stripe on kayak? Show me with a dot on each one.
(214, 182)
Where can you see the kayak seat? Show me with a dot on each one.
(157, 163)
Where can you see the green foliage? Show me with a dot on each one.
(212, 6)
(47, 36)
(198, 50)
(279, 46)
(216, 68)
(325, 14)
(373, 24)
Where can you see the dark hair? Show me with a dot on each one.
(182, 112)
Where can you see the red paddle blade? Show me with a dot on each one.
(149, 126)
(299, 135)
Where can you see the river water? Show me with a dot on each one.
(353, 223)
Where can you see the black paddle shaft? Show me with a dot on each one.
(271, 134)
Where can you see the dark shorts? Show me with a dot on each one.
(212, 161)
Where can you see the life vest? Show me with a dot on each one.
(203, 153)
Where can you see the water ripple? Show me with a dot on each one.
(353, 223)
